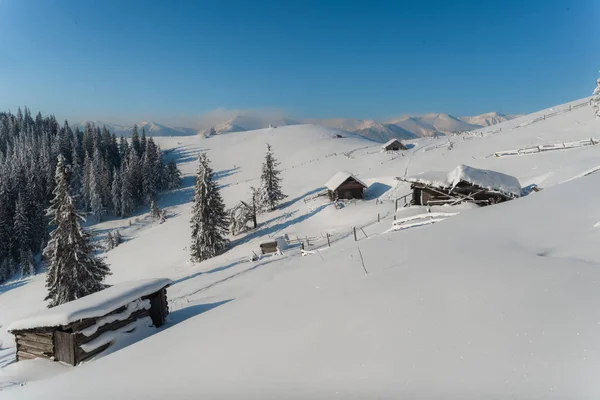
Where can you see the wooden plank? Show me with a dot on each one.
(80, 338)
(156, 309)
(86, 323)
(23, 355)
(35, 345)
(82, 355)
(37, 352)
(64, 347)
(46, 339)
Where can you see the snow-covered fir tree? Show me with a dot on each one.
(172, 175)
(596, 99)
(209, 219)
(21, 229)
(74, 271)
(270, 189)
(115, 193)
(95, 196)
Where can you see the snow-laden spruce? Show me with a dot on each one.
(74, 271)
(270, 189)
(209, 219)
(596, 99)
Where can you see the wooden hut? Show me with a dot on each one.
(394, 145)
(76, 331)
(344, 185)
(273, 245)
(464, 184)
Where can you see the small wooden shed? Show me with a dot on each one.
(272, 245)
(393, 145)
(76, 331)
(344, 185)
(463, 184)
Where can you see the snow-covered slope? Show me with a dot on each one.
(498, 302)
(246, 123)
(430, 124)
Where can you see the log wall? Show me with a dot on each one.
(64, 343)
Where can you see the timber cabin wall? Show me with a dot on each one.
(64, 343)
(348, 190)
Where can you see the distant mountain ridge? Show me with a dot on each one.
(405, 127)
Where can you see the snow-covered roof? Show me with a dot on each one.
(491, 180)
(386, 144)
(339, 178)
(92, 306)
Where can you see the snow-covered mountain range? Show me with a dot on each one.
(406, 127)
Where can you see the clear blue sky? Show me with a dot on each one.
(367, 59)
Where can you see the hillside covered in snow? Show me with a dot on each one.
(491, 302)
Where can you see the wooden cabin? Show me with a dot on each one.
(464, 184)
(394, 145)
(344, 185)
(78, 330)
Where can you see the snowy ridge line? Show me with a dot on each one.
(585, 173)
(548, 147)
(478, 133)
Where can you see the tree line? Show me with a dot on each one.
(106, 176)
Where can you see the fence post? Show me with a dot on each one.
(544, 117)
(354, 229)
(378, 218)
(396, 205)
(362, 261)
(307, 242)
(570, 107)
(328, 242)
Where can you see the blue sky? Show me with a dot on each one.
(127, 60)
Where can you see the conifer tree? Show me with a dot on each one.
(127, 202)
(95, 198)
(28, 264)
(135, 142)
(115, 193)
(74, 271)
(209, 219)
(21, 228)
(596, 100)
(172, 175)
(270, 189)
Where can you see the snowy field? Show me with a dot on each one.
(496, 302)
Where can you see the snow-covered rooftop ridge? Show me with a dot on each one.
(386, 144)
(92, 306)
(484, 178)
(339, 178)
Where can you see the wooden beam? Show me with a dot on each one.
(35, 345)
(46, 339)
(35, 352)
(82, 355)
(82, 339)
(23, 355)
